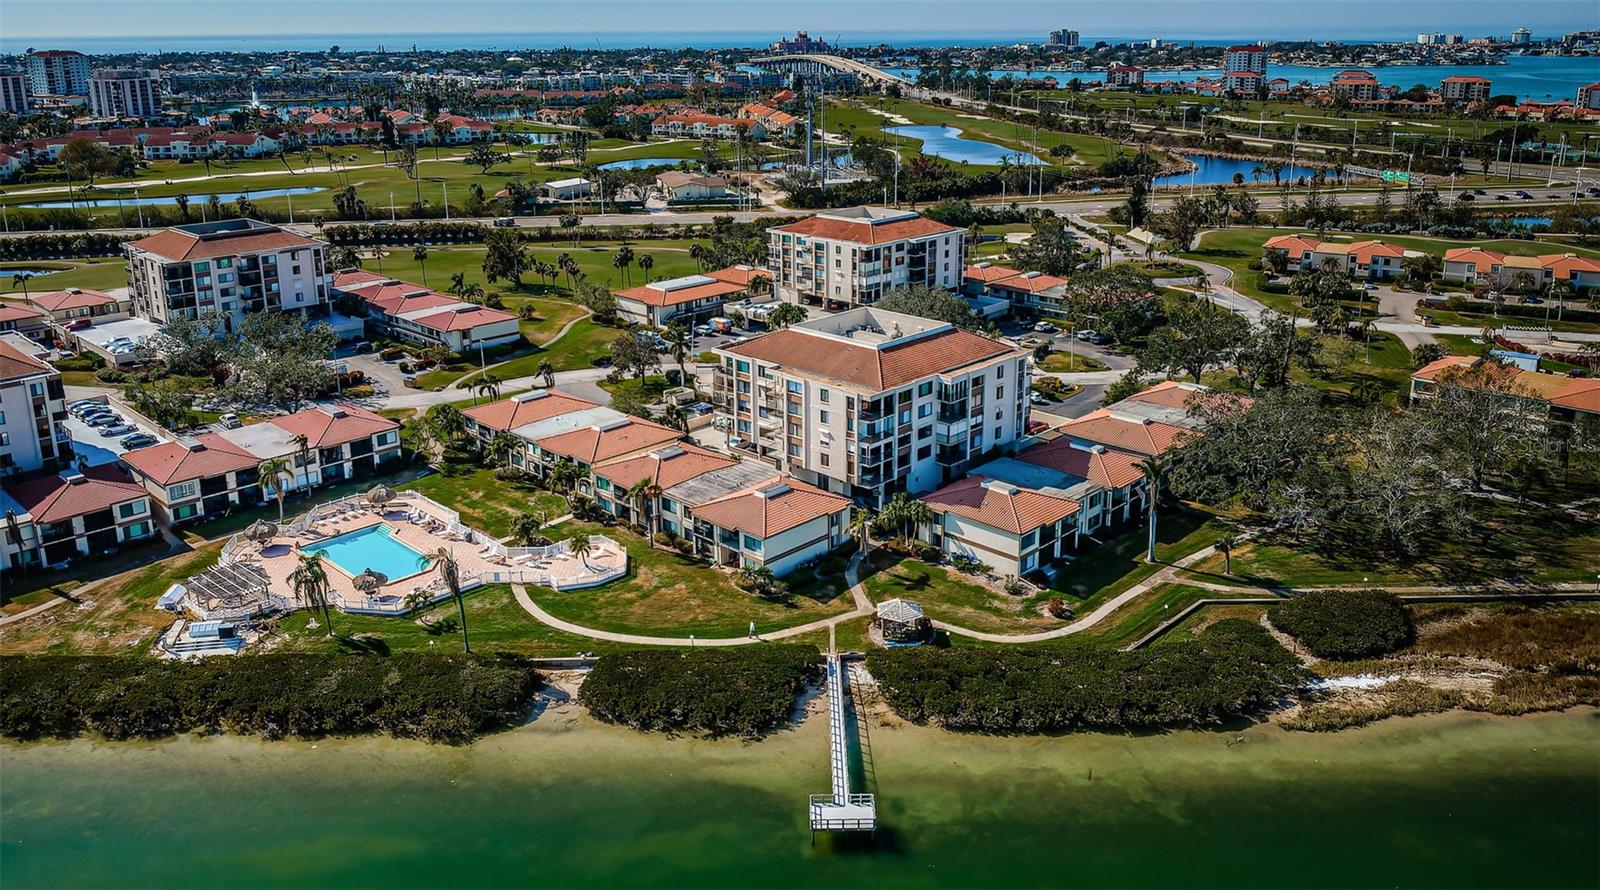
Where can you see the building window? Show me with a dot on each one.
(743, 367)
(924, 452)
(925, 409)
(925, 389)
(823, 416)
(796, 386)
(752, 544)
(131, 509)
(824, 457)
(181, 491)
(794, 450)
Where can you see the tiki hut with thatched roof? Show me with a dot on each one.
(369, 581)
(380, 495)
(262, 531)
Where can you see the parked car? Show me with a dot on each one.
(1037, 399)
(119, 429)
(101, 421)
(138, 440)
(602, 361)
(363, 347)
(92, 412)
(1369, 286)
(1531, 300)
(80, 404)
(1035, 427)
(1098, 338)
(1045, 327)
(230, 421)
(505, 222)
(703, 330)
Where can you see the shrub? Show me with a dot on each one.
(110, 375)
(743, 690)
(359, 391)
(1233, 668)
(439, 698)
(1344, 623)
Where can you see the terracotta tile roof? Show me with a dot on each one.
(592, 444)
(172, 462)
(60, 300)
(508, 414)
(1031, 283)
(1577, 393)
(357, 278)
(16, 363)
(1103, 467)
(665, 467)
(740, 275)
(989, 273)
(1474, 255)
(327, 425)
(54, 499)
(12, 311)
(1364, 251)
(464, 318)
(1294, 244)
(866, 233)
(873, 369)
(1147, 437)
(772, 508)
(1176, 394)
(656, 296)
(1000, 505)
(1562, 265)
(176, 244)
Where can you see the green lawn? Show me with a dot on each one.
(667, 594)
(1101, 572)
(484, 502)
(1062, 362)
(1502, 543)
(495, 623)
(946, 595)
(854, 114)
(95, 274)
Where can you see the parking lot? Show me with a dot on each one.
(94, 449)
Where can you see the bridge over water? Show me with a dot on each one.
(824, 64)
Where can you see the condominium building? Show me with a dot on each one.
(1125, 76)
(1063, 38)
(54, 72)
(229, 268)
(1464, 90)
(866, 402)
(32, 411)
(852, 256)
(124, 92)
(13, 92)
(1355, 84)
(1521, 36)
(1589, 96)
(421, 315)
(1250, 59)
(59, 518)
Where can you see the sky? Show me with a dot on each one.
(858, 21)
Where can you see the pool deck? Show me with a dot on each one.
(414, 523)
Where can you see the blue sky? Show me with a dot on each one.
(857, 20)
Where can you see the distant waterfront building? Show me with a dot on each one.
(124, 92)
(1062, 37)
(1464, 90)
(854, 255)
(1356, 85)
(54, 72)
(229, 268)
(801, 43)
(1244, 68)
(13, 92)
(1521, 36)
(1589, 96)
(1125, 76)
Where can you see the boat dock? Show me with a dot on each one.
(840, 810)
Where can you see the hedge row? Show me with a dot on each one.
(439, 698)
(1344, 623)
(740, 690)
(1233, 668)
(51, 247)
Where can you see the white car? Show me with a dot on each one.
(119, 429)
(1045, 327)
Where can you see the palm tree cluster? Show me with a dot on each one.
(905, 515)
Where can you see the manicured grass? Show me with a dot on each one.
(1503, 543)
(23, 592)
(1487, 318)
(946, 595)
(117, 618)
(1089, 150)
(495, 623)
(485, 502)
(1101, 572)
(667, 594)
(585, 342)
(1063, 362)
(96, 274)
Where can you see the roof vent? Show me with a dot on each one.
(192, 444)
(772, 491)
(79, 290)
(1098, 449)
(610, 425)
(530, 396)
(995, 485)
(334, 411)
(983, 265)
(74, 478)
(1031, 274)
(667, 453)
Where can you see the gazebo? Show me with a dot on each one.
(902, 623)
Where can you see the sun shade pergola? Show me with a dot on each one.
(233, 590)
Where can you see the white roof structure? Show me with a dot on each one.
(900, 611)
(572, 420)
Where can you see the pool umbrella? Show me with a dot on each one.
(380, 495)
(368, 581)
(262, 530)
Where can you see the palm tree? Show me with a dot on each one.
(646, 262)
(915, 515)
(450, 573)
(420, 254)
(623, 260)
(581, 548)
(678, 343)
(458, 283)
(488, 384)
(272, 470)
(675, 417)
(860, 528)
(526, 527)
(1155, 471)
(760, 285)
(310, 582)
(15, 529)
(566, 265)
(1225, 545)
(501, 444)
(638, 494)
(548, 372)
(564, 476)
(785, 314)
(302, 449)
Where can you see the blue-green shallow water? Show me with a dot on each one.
(1452, 801)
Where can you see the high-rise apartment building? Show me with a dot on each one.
(852, 256)
(13, 92)
(1062, 37)
(227, 268)
(124, 92)
(32, 412)
(867, 402)
(58, 72)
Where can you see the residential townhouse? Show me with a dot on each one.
(520, 410)
(706, 126)
(866, 403)
(421, 315)
(1360, 259)
(228, 267)
(1567, 399)
(59, 518)
(23, 318)
(978, 278)
(1150, 423)
(76, 307)
(1032, 292)
(211, 474)
(775, 122)
(1489, 268)
(689, 298)
(853, 256)
(32, 413)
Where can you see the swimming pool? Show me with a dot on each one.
(373, 547)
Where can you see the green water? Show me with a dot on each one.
(1452, 801)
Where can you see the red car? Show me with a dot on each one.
(1035, 427)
